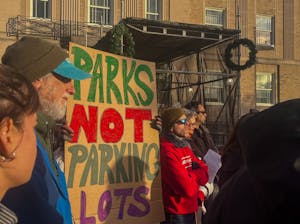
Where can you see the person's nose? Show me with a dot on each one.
(70, 88)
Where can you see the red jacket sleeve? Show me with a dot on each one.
(175, 175)
(200, 174)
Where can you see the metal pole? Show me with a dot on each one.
(191, 72)
(239, 61)
(121, 9)
(122, 45)
(60, 20)
(86, 38)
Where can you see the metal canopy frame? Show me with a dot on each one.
(166, 42)
(163, 42)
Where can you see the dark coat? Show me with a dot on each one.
(232, 160)
(202, 141)
(243, 200)
(266, 190)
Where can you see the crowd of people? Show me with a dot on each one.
(44, 198)
(258, 182)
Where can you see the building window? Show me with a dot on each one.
(41, 9)
(265, 30)
(101, 12)
(153, 9)
(213, 90)
(215, 17)
(265, 93)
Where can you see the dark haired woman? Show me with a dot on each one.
(18, 105)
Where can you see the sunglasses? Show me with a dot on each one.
(61, 78)
(182, 121)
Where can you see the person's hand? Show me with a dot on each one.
(203, 209)
(156, 123)
(67, 132)
(195, 165)
(207, 189)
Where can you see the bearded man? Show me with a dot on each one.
(44, 199)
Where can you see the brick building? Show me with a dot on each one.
(274, 25)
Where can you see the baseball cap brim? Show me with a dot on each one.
(68, 70)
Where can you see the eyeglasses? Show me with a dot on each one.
(182, 121)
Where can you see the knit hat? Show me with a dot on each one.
(34, 58)
(169, 117)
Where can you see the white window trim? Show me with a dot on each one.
(218, 10)
(267, 17)
(273, 89)
(100, 7)
(215, 103)
(265, 30)
(38, 18)
(159, 13)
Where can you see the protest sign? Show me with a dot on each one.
(112, 162)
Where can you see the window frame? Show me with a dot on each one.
(110, 9)
(272, 89)
(220, 88)
(223, 13)
(158, 13)
(33, 13)
(262, 30)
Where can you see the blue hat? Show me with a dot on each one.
(68, 70)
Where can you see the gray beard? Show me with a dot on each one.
(53, 109)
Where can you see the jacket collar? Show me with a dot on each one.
(178, 142)
(45, 123)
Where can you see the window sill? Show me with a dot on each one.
(40, 19)
(98, 25)
(264, 104)
(214, 103)
(265, 47)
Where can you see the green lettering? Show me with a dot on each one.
(112, 71)
(139, 162)
(129, 163)
(148, 91)
(120, 169)
(80, 55)
(106, 156)
(79, 155)
(97, 79)
(126, 80)
(91, 167)
(153, 146)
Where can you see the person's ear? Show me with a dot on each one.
(7, 129)
(172, 129)
(37, 83)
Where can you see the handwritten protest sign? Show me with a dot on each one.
(112, 162)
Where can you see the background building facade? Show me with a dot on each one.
(274, 25)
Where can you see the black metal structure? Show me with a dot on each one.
(163, 42)
(166, 44)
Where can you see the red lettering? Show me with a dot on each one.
(111, 126)
(138, 115)
(79, 119)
